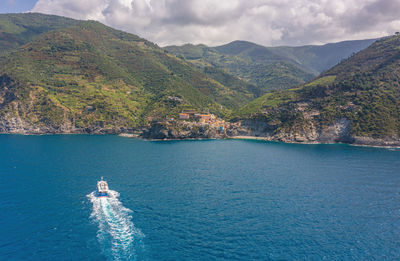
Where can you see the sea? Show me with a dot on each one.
(196, 200)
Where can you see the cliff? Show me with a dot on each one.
(357, 102)
(85, 77)
(338, 132)
(179, 130)
(82, 76)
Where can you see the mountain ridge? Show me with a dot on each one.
(86, 77)
(90, 77)
(18, 29)
(281, 74)
(270, 68)
(356, 101)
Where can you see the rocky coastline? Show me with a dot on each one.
(339, 132)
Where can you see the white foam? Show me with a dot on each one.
(119, 238)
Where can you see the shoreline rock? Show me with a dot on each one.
(182, 130)
(339, 132)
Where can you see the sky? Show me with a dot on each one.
(16, 6)
(215, 22)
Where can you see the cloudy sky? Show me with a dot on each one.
(213, 22)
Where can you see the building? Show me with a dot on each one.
(204, 117)
(184, 116)
(212, 117)
(189, 111)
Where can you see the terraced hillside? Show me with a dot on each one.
(357, 101)
(19, 29)
(88, 77)
(270, 68)
(272, 73)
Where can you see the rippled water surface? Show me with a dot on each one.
(196, 200)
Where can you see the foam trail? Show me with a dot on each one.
(119, 238)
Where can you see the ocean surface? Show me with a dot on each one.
(196, 200)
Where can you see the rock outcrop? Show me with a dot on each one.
(338, 132)
(13, 124)
(182, 130)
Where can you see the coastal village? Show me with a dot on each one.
(203, 118)
(189, 124)
(193, 116)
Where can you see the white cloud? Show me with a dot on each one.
(268, 22)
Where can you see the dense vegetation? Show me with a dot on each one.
(66, 75)
(364, 89)
(18, 29)
(311, 58)
(269, 68)
(86, 74)
(268, 73)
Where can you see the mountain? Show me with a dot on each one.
(312, 58)
(319, 58)
(270, 68)
(356, 101)
(272, 73)
(59, 75)
(19, 29)
(82, 76)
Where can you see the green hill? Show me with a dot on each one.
(19, 29)
(90, 77)
(249, 50)
(268, 73)
(318, 58)
(59, 75)
(270, 68)
(311, 58)
(356, 101)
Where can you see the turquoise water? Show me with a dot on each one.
(196, 200)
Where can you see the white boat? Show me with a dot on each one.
(102, 188)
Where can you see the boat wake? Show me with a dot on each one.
(118, 237)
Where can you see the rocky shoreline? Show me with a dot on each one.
(339, 132)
